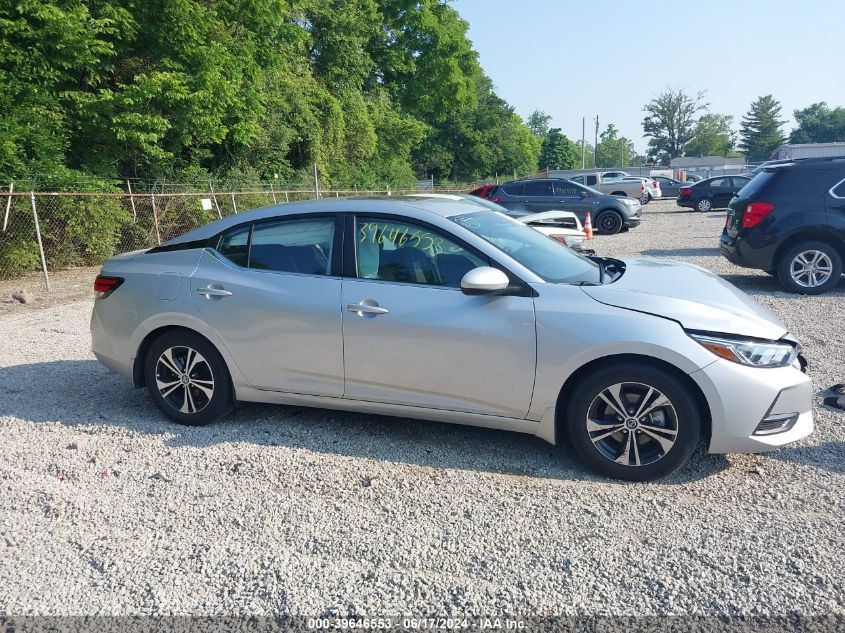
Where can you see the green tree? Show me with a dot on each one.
(712, 136)
(670, 122)
(760, 133)
(614, 150)
(819, 123)
(538, 122)
(558, 152)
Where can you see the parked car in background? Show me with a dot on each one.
(610, 214)
(561, 226)
(443, 310)
(483, 191)
(711, 193)
(768, 163)
(613, 175)
(614, 186)
(670, 187)
(694, 178)
(652, 187)
(790, 222)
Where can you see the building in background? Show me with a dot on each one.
(706, 166)
(808, 150)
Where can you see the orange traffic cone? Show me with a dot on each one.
(588, 226)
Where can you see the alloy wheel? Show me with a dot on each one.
(704, 205)
(184, 379)
(632, 424)
(609, 223)
(811, 268)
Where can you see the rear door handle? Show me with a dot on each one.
(363, 308)
(210, 291)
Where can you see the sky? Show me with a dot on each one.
(609, 58)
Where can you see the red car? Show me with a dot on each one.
(483, 191)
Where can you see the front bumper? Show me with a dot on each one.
(741, 397)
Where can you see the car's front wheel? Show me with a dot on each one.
(810, 268)
(704, 205)
(188, 379)
(609, 222)
(633, 421)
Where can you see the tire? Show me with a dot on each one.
(645, 198)
(609, 222)
(660, 452)
(704, 205)
(619, 193)
(190, 403)
(809, 268)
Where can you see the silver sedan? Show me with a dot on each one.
(442, 310)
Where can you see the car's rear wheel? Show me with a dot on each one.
(188, 379)
(609, 222)
(645, 198)
(633, 421)
(810, 268)
(704, 205)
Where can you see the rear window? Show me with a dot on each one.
(756, 184)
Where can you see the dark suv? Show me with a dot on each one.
(609, 214)
(790, 221)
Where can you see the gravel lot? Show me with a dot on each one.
(106, 508)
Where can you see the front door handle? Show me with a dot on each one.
(211, 291)
(362, 309)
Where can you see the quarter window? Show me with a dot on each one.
(293, 246)
(234, 246)
(390, 250)
(839, 190)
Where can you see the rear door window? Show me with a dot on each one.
(513, 188)
(538, 188)
(293, 246)
(720, 182)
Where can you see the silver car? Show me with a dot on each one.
(442, 310)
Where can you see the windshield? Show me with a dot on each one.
(540, 254)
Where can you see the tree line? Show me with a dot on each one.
(373, 92)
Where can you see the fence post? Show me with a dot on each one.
(272, 193)
(8, 206)
(214, 197)
(40, 244)
(234, 204)
(286, 196)
(316, 182)
(131, 201)
(155, 217)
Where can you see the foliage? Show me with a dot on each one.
(760, 133)
(712, 136)
(371, 91)
(558, 152)
(819, 123)
(538, 122)
(614, 150)
(670, 122)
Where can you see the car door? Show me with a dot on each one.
(721, 191)
(539, 196)
(569, 198)
(411, 337)
(272, 291)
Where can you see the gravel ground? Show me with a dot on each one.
(106, 508)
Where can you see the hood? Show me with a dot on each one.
(691, 295)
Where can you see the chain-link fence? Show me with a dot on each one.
(52, 231)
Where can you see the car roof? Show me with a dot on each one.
(413, 206)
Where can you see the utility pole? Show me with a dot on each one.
(583, 141)
(596, 141)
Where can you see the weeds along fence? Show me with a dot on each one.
(52, 231)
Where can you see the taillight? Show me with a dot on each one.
(642, 186)
(496, 199)
(654, 184)
(685, 191)
(755, 212)
(104, 286)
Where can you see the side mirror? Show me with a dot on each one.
(484, 280)
(584, 194)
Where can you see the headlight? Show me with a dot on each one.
(573, 240)
(749, 352)
(630, 202)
